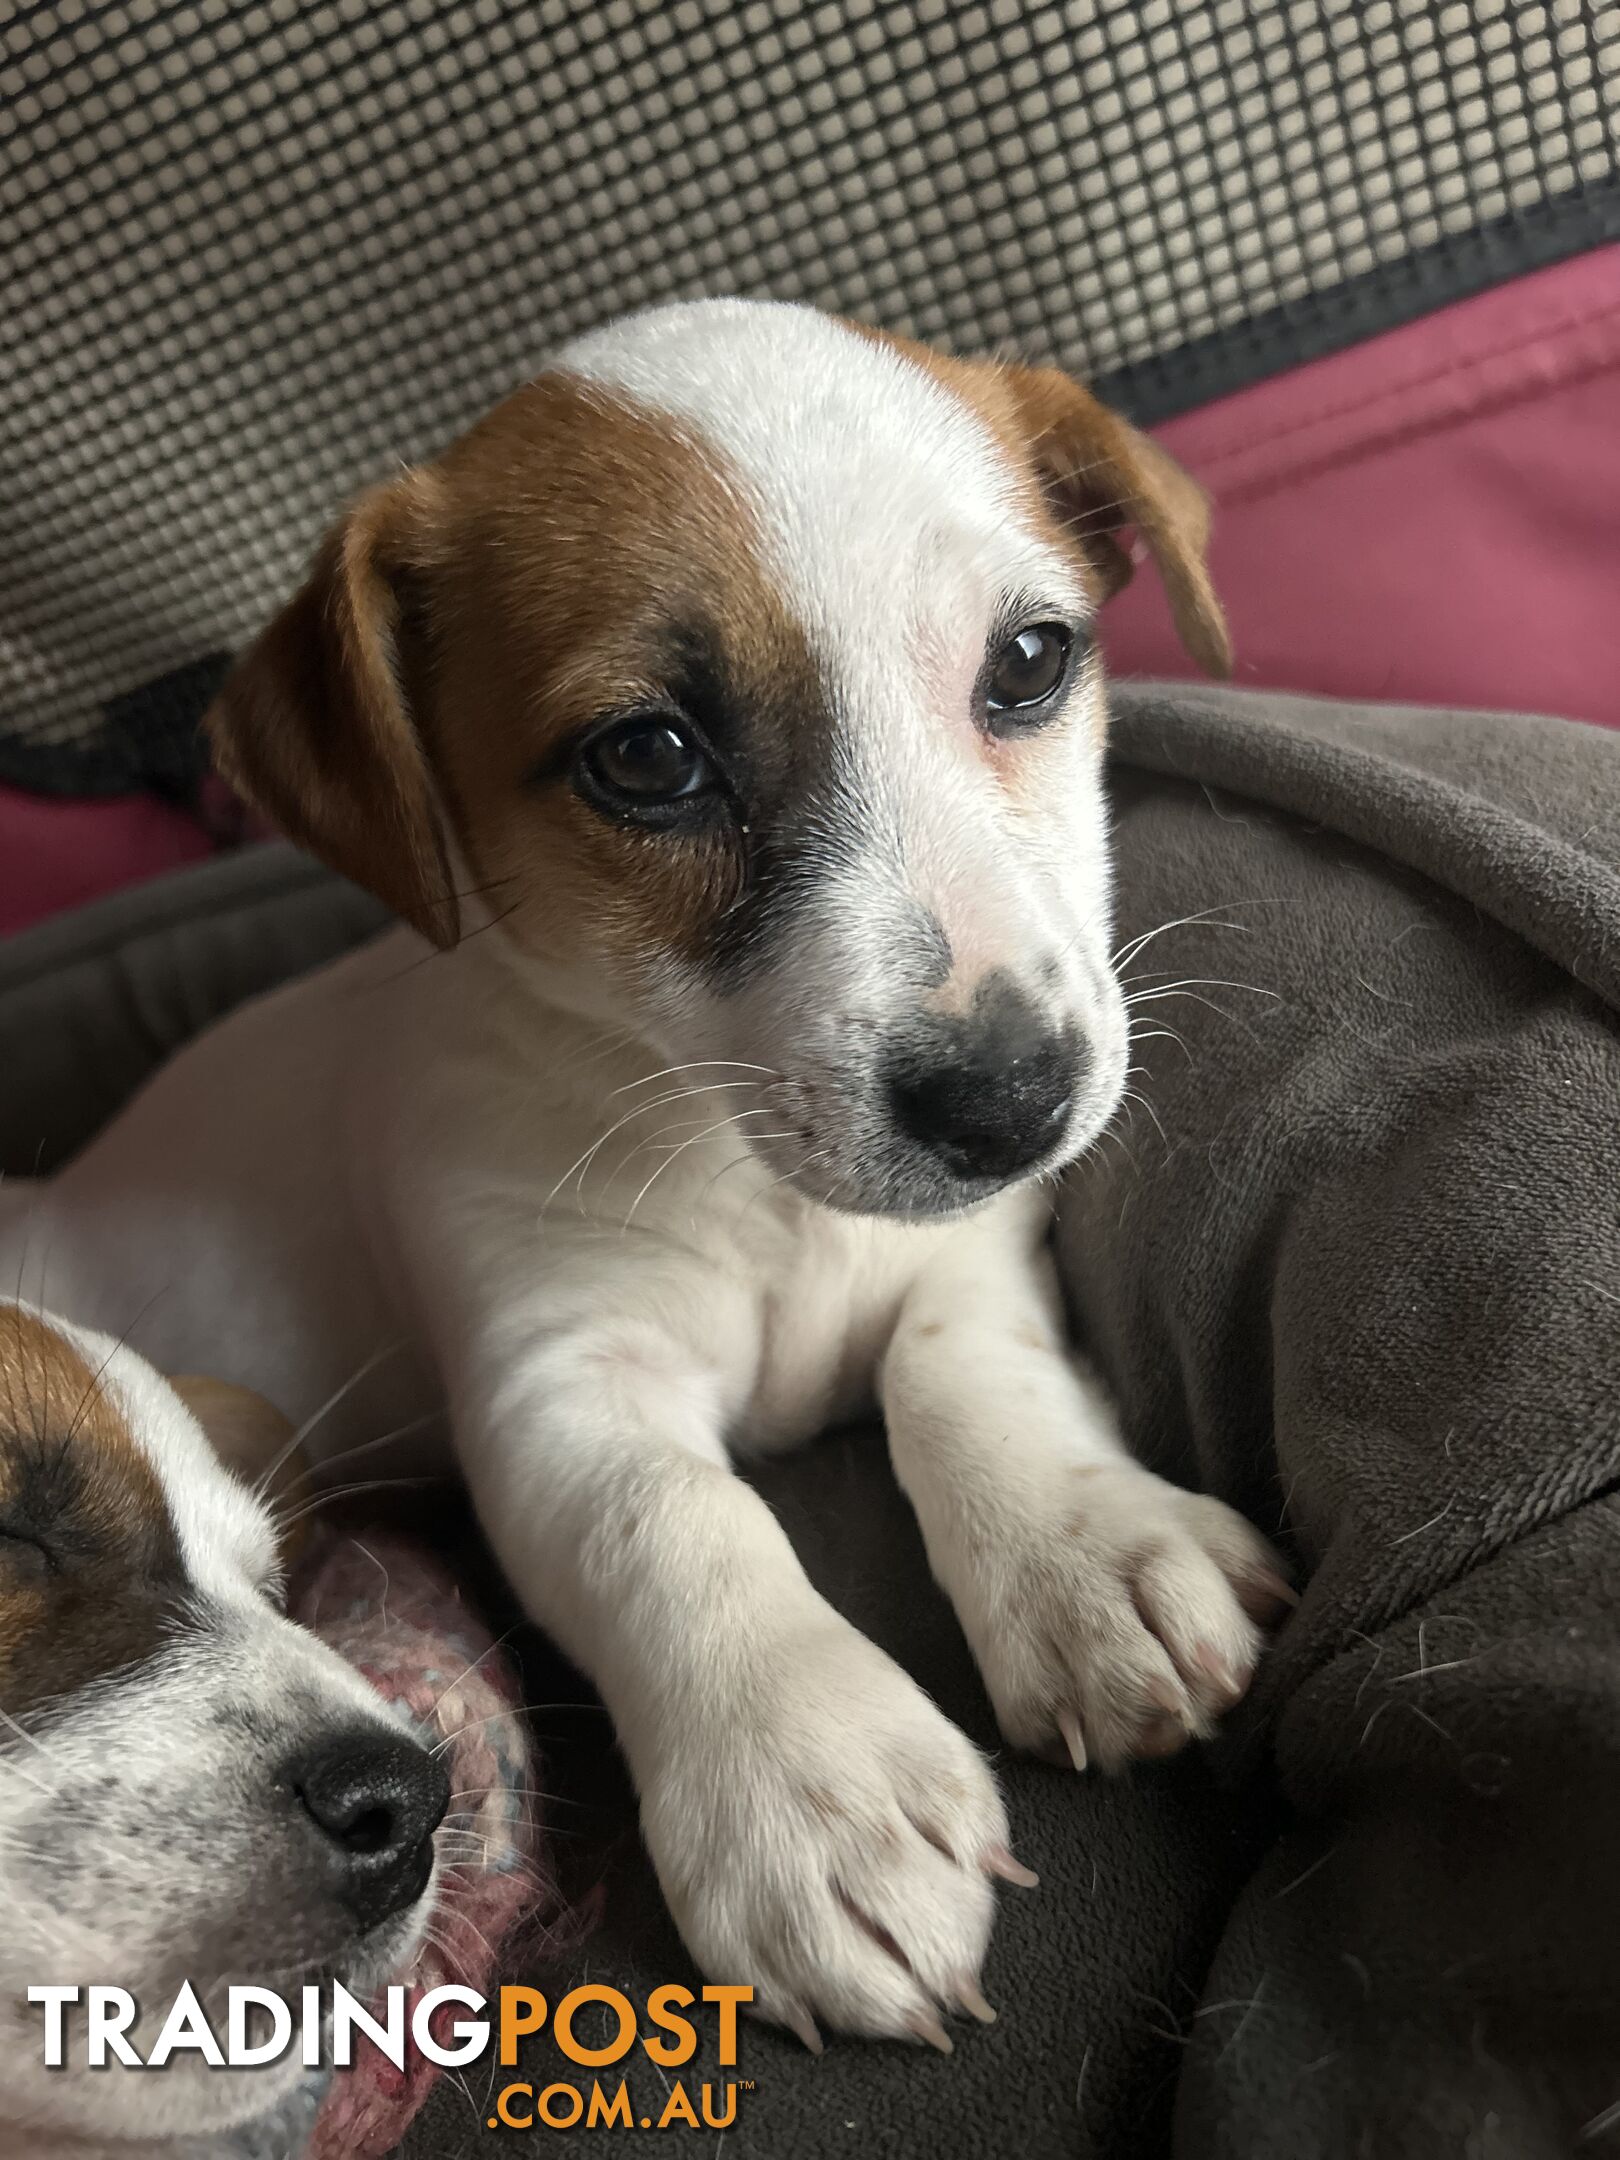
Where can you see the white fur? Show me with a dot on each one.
(398, 1157)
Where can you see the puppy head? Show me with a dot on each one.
(191, 1787)
(745, 660)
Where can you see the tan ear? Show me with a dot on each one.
(1102, 475)
(313, 725)
(250, 1436)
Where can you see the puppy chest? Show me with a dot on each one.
(826, 1316)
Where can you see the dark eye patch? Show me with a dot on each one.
(91, 1573)
(25, 1558)
(769, 716)
(88, 1508)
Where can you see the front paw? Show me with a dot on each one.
(1121, 1618)
(828, 1837)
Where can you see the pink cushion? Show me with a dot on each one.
(55, 854)
(1432, 517)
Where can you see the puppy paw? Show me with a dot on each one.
(827, 1837)
(1121, 1618)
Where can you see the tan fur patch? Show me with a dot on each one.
(310, 726)
(581, 536)
(468, 621)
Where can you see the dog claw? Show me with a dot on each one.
(1169, 1699)
(927, 2028)
(1073, 1739)
(801, 2023)
(971, 1997)
(999, 1861)
(1266, 1594)
(1228, 1684)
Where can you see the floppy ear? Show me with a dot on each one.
(313, 725)
(1101, 474)
(248, 1436)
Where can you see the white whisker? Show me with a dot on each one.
(695, 1065)
(582, 1163)
(303, 1432)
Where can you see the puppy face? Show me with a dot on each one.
(745, 660)
(181, 1768)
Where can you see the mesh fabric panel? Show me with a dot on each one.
(253, 254)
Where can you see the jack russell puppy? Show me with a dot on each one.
(723, 715)
(192, 1788)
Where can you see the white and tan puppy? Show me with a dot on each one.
(725, 706)
(192, 1789)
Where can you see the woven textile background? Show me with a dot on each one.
(252, 252)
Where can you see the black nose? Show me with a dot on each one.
(991, 1093)
(377, 1800)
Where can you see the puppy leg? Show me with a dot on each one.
(1112, 1613)
(820, 1830)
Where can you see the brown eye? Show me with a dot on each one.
(645, 764)
(1028, 670)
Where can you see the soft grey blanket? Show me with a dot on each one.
(1354, 1263)
(1366, 1282)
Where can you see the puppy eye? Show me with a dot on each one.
(1027, 672)
(646, 763)
(24, 1561)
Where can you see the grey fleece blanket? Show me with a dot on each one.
(1366, 1283)
(1354, 1263)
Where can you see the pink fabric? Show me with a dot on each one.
(1431, 517)
(390, 1606)
(55, 854)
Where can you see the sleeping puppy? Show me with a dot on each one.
(723, 715)
(191, 1787)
